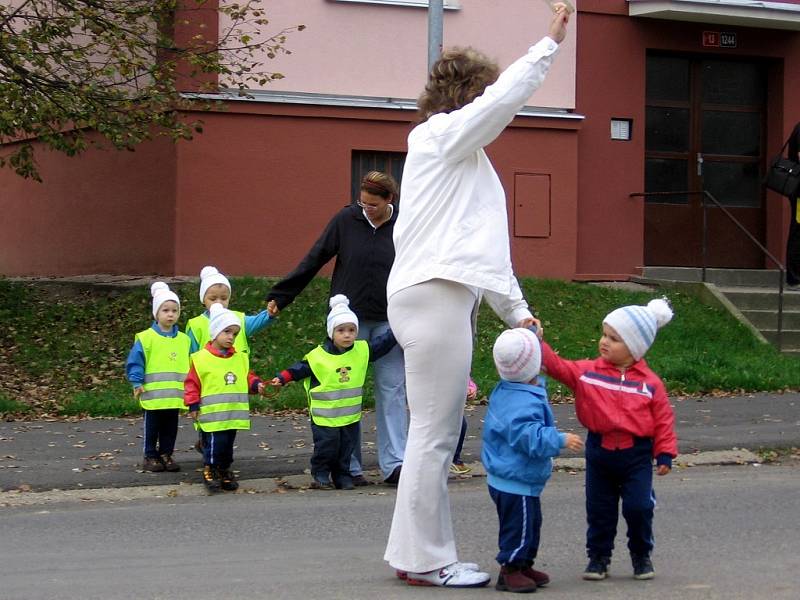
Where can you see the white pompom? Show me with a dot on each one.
(158, 287)
(339, 299)
(215, 309)
(661, 310)
(208, 272)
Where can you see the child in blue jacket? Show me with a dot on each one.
(520, 440)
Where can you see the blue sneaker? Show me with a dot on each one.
(597, 569)
(642, 567)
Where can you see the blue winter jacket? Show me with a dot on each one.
(520, 438)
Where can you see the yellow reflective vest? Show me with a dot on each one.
(224, 400)
(198, 326)
(166, 364)
(336, 400)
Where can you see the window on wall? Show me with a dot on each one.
(364, 161)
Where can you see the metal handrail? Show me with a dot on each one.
(779, 264)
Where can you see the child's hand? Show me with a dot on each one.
(574, 442)
(662, 470)
(272, 308)
(276, 382)
(532, 322)
(472, 391)
(137, 391)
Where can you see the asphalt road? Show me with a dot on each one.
(98, 453)
(722, 533)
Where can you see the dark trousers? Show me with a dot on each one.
(333, 447)
(460, 446)
(793, 247)
(160, 432)
(218, 447)
(520, 525)
(615, 474)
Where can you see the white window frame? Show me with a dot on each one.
(447, 4)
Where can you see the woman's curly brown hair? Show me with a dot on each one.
(455, 80)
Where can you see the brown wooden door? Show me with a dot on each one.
(704, 127)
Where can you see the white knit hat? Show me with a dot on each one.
(220, 318)
(638, 325)
(161, 293)
(210, 276)
(340, 313)
(517, 355)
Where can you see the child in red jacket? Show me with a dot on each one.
(624, 405)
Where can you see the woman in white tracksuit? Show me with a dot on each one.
(452, 249)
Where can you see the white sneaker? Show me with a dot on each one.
(467, 566)
(455, 575)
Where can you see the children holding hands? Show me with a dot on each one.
(624, 405)
(217, 394)
(157, 365)
(333, 374)
(520, 439)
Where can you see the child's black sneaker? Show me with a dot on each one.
(321, 485)
(597, 569)
(211, 479)
(154, 465)
(169, 464)
(228, 480)
(642, 567)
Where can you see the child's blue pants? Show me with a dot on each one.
(160, 432)
(520, 525)
(615, 474)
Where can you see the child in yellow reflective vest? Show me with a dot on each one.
(215, 287)
(333, 375)
(217, 392)
(156, 367)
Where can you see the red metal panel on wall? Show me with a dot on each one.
(531, 205)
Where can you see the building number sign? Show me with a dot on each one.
(719, 39)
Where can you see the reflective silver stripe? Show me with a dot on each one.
(159, 377)
(337, 394)
(225, 415)
(155, 394)
(223, 398)
(332, 413)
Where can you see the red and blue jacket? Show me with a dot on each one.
(618, 404)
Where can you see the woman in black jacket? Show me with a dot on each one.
(360, 238)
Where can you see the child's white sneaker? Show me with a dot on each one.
(454, 575)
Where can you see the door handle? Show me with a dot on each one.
(699, 165)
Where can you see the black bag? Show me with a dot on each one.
(783, 175)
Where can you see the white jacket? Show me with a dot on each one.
(452, 222)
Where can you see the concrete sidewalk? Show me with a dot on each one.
(107, 453)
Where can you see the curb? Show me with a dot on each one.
(299, 483)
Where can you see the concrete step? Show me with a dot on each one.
(755, 298)
(720, 277)
(790, 339)
(768, 319)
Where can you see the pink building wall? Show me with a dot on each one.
(381, 50)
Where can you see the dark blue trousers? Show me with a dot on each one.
(333, 447)
(160, 432)
(218, 447)
(520, 525)
(612, 475)
(460, 445)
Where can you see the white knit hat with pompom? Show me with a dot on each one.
(340, 313)
(219, 319)
(210, 276)
(638, 325)
(161, 293)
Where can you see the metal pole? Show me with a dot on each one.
(435, 26)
